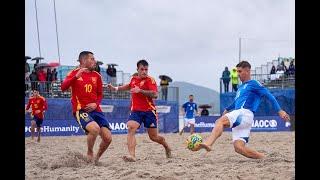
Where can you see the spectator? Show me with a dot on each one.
(42, 80)
(109, 73)
(205, 112)
(280, 70)
(114, 76)
(226, 79)
(54, 75)
(97, 68)
(27, 83)
(273, 70)
(164, 83)
(49, 80)
(26, 67)
(34, 80)
(273, 75)
(234, 80)
(291, 68)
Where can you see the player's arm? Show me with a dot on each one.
(99, 90)
(265, 92)
(196, 109)
(28, 105)
(151, 92)
(45, 104)
(68, 81)
(125, 87)
(72, 77)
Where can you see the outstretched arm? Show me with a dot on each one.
(264, 91)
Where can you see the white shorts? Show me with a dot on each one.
(188, 121)
(241, 122)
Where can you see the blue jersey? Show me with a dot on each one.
(189, 108)
(249, 97)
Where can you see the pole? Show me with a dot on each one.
(55, 17)
(239, 49)
(35, 5)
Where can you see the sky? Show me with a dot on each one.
(188, 40)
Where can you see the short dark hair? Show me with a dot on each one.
(142, 62)
(83, 54)
(244, 64)
(190, 95)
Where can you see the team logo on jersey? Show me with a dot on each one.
(94, 80)
(80, 79)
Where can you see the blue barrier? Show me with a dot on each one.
(285, 98)
(260, 124)
(59, 120)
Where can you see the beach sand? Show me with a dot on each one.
(63, 158)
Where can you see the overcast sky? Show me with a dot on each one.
(188, 40)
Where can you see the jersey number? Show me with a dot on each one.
(88, 88)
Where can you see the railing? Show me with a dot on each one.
(279, 80)
(53, 90)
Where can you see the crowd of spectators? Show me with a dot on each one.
(282, 70)
(40, 78)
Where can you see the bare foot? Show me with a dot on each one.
(203, 145)
(89, 158)
(168, 153)
(129, 159)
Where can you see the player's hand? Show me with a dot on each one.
(79, 73)
(109, 86)
(37, 111)
(284, 115)
(90, 107)
(136, 89)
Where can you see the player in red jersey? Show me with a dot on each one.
(38, 106)
(143, 89)
(86, 89)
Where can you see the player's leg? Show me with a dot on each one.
(239, 147)
(131, 140)
(191, 123)
(220, 124)
(38, 123)
(185, 123)
(105, 134)
(154, 136)
(151, 119)
(91, 129)
(33, 126)
(240, 135)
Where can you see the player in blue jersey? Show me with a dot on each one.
(190, 108)
(239, 115)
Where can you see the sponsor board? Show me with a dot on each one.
(163, 109)
(106, 108)
(259, 124)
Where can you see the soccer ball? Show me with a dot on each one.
(193, 141)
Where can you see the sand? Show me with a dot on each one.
(63, 158)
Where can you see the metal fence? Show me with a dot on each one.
(53, 90)
(268, 80)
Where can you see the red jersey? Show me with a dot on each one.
(84, 90)
(140, 102)
(37, 103)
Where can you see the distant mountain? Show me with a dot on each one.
(202, 95)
